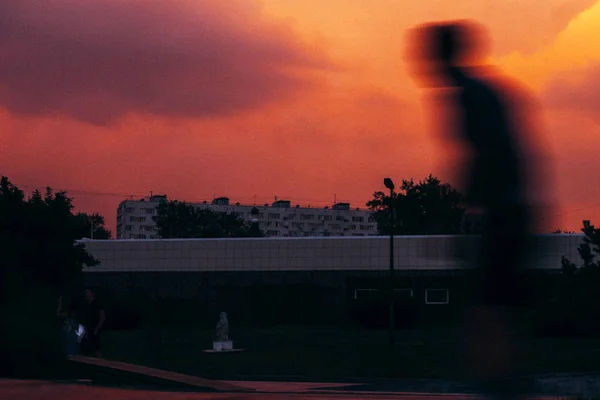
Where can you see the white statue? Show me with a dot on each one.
(222, 341)
(222, 331)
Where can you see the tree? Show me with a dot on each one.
(37, 239)
(40, 260)
(177, 219)
(561, 231)
(425, 208)
(575, 309)
(95, 221)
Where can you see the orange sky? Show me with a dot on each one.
(298, 99)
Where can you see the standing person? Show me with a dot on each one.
(94, 317)
(490, 127)
(66, 311)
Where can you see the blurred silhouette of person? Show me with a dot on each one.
(492, 125)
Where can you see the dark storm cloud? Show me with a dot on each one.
(97, 60)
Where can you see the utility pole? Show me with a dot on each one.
(91, 228)
(390, 185)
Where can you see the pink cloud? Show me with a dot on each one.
(97, 60)
(581, 95)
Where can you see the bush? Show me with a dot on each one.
(575, 311)
(31, 345)
(562, 318)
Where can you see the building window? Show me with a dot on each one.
(129, 209)
(366, 227)
(437, 296)
(150, 210)
(353, 227)
(128, 227)
(272, 233)
(274, 215)
(358, 219)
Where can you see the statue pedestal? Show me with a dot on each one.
(225, 345)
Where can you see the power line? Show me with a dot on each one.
(81, 192)
(241, 199)
(580, 208)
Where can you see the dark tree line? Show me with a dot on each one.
(177, 219)
(39, 260)
(92, 226)
(428, 207)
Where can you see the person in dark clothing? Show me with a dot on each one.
(450, 56)
(93, 319)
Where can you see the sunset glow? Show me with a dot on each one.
(303, 100)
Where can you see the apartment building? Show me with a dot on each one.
(279, 219)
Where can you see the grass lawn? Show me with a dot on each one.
(331, 353)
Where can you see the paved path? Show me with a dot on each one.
(157, 373)
(43, 390)
(549, 386)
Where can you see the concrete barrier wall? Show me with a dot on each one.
(308, 254)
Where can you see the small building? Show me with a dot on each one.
(324, 277)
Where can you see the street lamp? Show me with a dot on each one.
(254, 229)
(390, 185)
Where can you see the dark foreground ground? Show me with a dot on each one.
(330, 354)
(46, 390)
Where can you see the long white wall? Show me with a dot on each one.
(292, 254)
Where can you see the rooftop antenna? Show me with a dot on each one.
(275, 197)
(151, 194)
(334, 198)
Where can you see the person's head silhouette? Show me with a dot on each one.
(435, 49)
